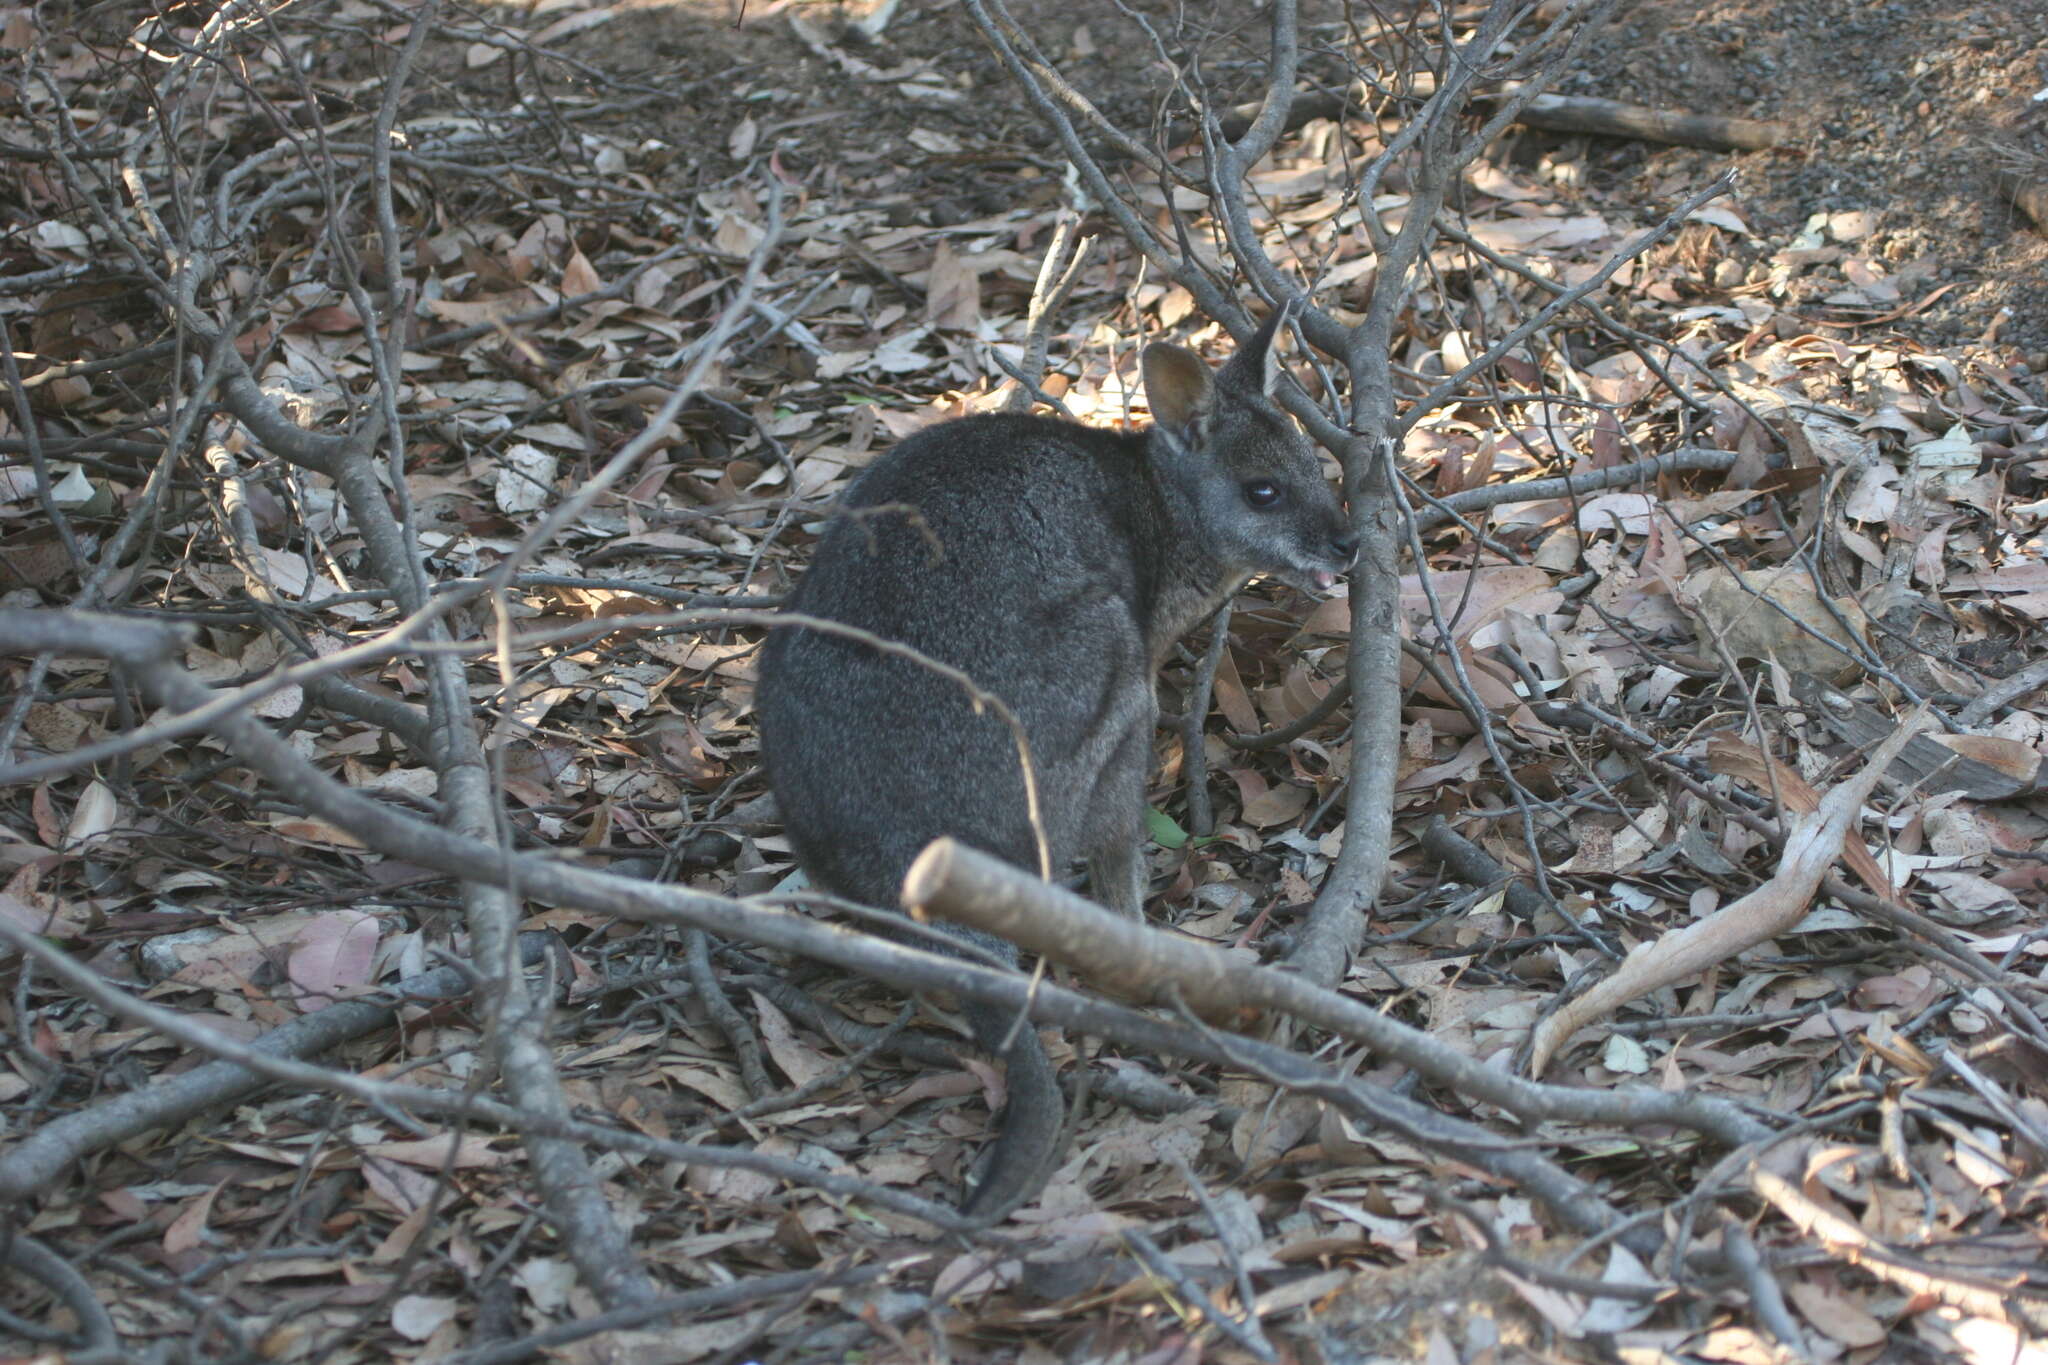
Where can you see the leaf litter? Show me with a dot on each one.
(1668, 714)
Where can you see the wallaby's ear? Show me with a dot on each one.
(1256, 366)
(1180, 390)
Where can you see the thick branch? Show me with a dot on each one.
(1137, 962)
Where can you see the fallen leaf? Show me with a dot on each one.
(96, 813)
(418, 1316)
(953, 292)
(526, 479)
(472, 1151)
(334, 956)
(1777, 614)
(1276, 805)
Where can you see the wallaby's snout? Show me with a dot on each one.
(1344, 548)
(1312, 556)
(1336, 553)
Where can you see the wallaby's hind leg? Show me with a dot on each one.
(1117, 874)
(1119, 879)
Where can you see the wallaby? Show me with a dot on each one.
(1056, 565)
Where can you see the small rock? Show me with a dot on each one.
(161, 957)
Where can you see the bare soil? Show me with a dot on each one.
(1908, 111)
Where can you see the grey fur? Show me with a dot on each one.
(1056, 565)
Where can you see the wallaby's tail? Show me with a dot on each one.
(1027, 1146)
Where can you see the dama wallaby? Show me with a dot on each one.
(1056, 565)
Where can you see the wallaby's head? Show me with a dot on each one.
(1243, 470)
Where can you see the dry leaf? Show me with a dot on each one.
(526, 479)
(1736, 609)
(96, 813)
(188, 1229)
(953, 291)
(334, 956)
(1275, 806)
(796, 1059)
(471, 1151)
(418, 1316)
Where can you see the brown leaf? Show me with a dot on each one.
(333, 956)
(1737, 609)
(953, 293)
(1266, 1132)
(1231, 699)
(189, 1226)
(1833, 1312)
(48, 828)
(471, 1151)
(1472, 598)
(307, 829)
(579, 276)
(796, 1058)
(1734, 757)
(1276, 805)
(2020, 762)
(335, 318)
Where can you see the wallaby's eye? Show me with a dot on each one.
(1261, 492)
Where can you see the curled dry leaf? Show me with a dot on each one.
(96, 813)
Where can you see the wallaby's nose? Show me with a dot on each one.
(1345, 546)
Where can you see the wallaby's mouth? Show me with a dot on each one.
(1314, 582)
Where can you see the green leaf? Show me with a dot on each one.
(1163, 830)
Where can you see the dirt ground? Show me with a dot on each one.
(1907, 112)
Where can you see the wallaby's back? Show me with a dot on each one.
(1013, 548)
